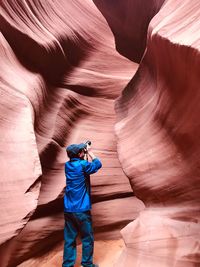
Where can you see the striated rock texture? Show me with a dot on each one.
(158, 123)
(60, 75)
(129, 21)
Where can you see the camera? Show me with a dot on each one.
(87, 143)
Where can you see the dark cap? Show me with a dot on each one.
(74, 149)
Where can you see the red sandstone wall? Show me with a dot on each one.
(60, 74)
(129, 21)
(158, 123)
(59, 77)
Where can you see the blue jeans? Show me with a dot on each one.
(78, 222)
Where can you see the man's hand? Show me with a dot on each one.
(88, 147)
(90, 153)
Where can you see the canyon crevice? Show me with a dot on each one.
(126, 76)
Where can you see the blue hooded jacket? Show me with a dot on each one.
(77, 192)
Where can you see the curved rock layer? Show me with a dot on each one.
(158, 123)
(59, 76)
(129, 21)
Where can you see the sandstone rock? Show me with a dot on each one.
(60, 75)
(158, 122)
(44, 107)
(129, 21)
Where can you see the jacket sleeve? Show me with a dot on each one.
(92, 167)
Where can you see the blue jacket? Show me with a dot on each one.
(77, 191)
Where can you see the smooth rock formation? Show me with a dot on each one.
(59, 79)
(158, 123)
(60, 75)
(129, 21)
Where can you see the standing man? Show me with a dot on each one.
(77, 204)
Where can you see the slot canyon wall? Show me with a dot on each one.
(124, 74)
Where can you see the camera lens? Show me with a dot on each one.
(88, 143)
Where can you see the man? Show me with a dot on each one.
(77, 204)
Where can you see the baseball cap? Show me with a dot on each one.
(74, 149)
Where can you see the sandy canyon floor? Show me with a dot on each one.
(105, 254)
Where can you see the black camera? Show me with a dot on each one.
(87, 143)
